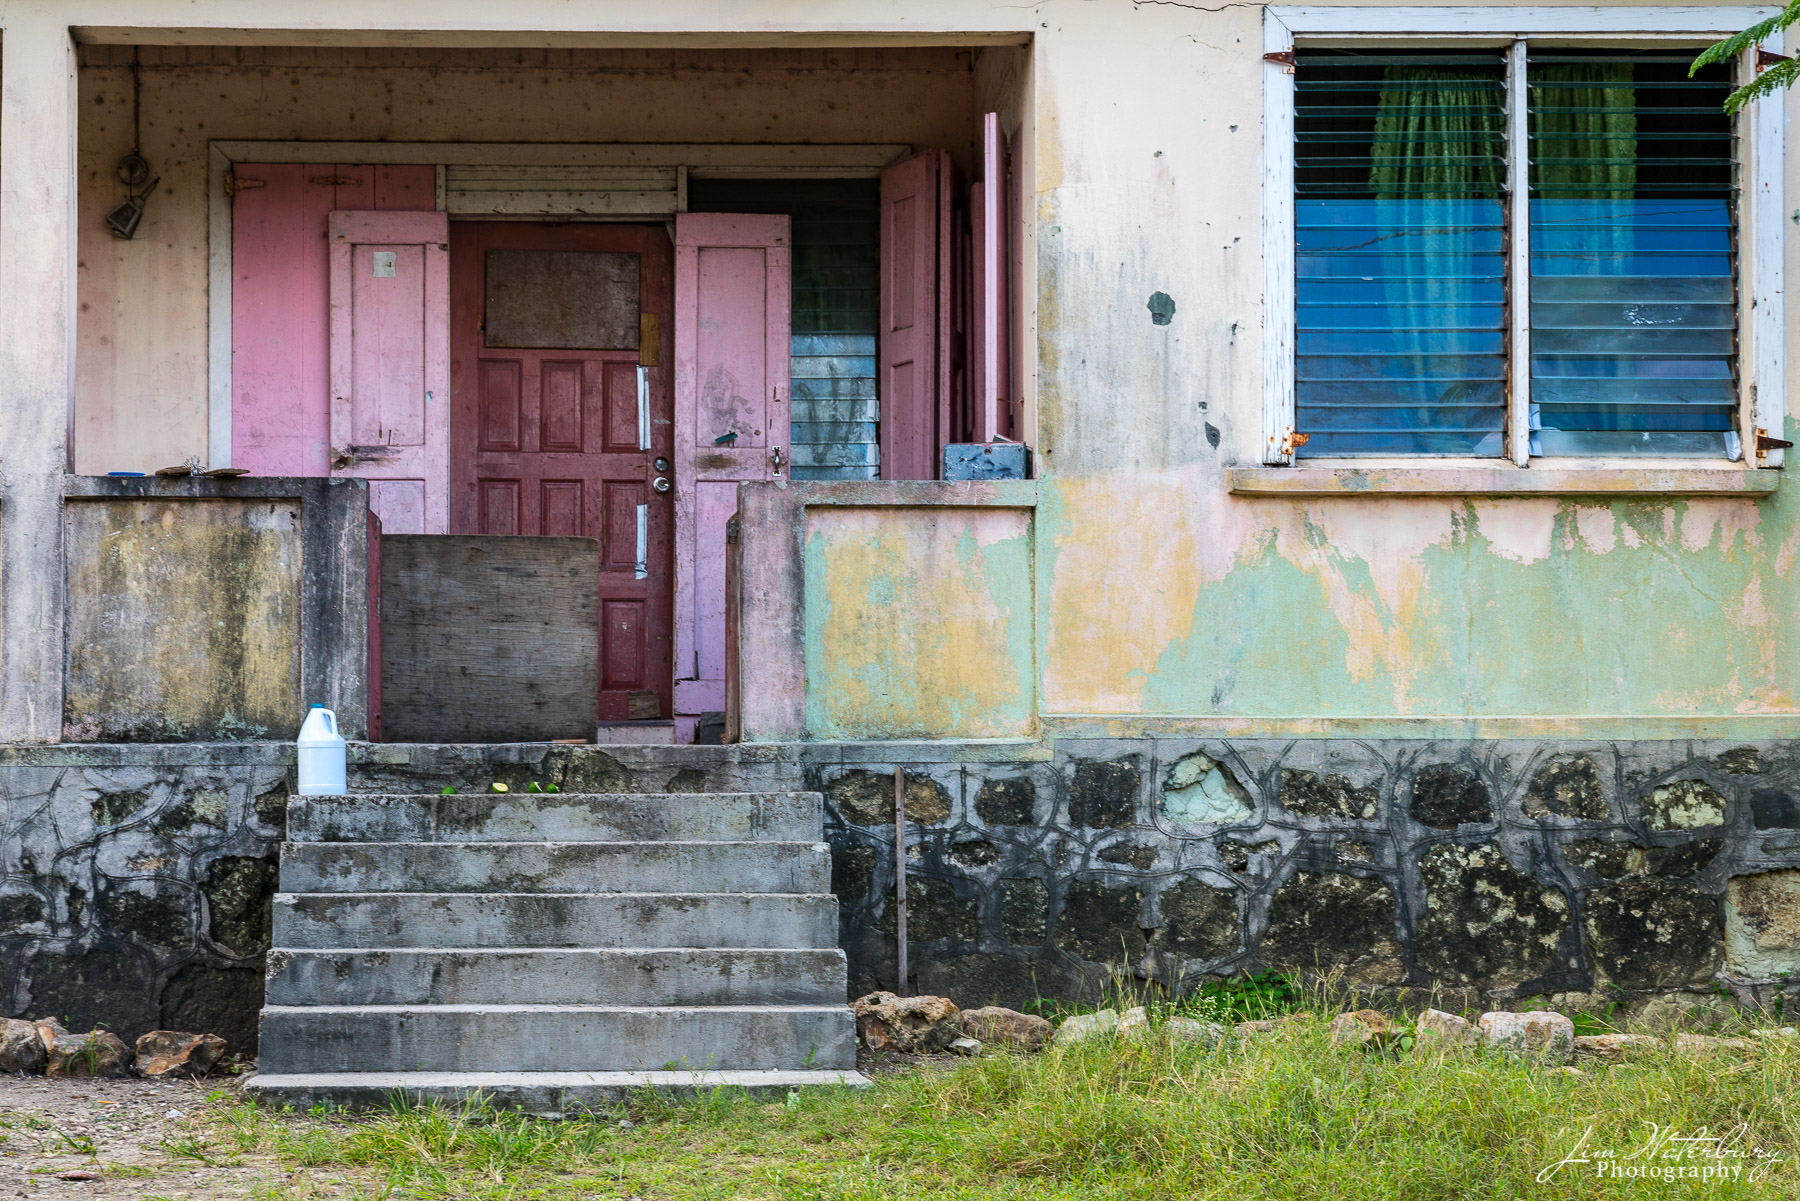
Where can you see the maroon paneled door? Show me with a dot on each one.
(562, 403)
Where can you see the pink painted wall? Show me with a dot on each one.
(280, 304)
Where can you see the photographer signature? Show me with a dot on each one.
(1670, 1153)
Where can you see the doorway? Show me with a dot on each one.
(561, 422)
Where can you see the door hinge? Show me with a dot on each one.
(1284, 57)
(1293, 439)
(1768, 58)
(1765, 444)
(234, 183)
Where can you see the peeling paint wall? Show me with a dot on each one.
(1159, 601)
(919, 623)
(184, 620)
(1390, 609)
(1165, 603)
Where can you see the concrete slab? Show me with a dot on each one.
(543, 1038)
(548, 1094)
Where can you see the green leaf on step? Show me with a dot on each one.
(449, 791)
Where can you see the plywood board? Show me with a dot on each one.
(562, 299)
(488, 638)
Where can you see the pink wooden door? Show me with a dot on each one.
(280, 301)
(915, 213)
(554, 327)
(732, 317)
(390, 363)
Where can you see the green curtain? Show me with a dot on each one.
(1440, 134)
(1584, 148)
(1438, 153)
(1584, 130)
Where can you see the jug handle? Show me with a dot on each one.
(331, 721)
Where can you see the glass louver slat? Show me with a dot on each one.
(1400, 253)
(1633, 256)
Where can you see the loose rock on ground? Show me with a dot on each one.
(911, 1025)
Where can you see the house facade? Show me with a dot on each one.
(1397, 581)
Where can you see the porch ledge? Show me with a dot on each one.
(956, 494)
(1503, 480)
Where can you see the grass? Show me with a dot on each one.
(1283, 1114)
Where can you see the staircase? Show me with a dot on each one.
(552, 952)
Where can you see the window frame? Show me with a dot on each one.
(1762, 403)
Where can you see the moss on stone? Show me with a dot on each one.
(1198, 921)
(1009, 801)
(239, 892)
(1683, 805)
(1331, 797)
(1334, 922)
(1099, 922)
(1445, 796)
(1103, 795)
(1651, 932)
(1485, 923)
(1567, 786)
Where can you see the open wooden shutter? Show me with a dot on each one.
(732, 304)
(991, 327)
(915, 249)
(390, 363)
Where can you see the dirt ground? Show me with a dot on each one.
(130, 1132)
(57, 1135)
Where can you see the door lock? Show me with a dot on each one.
(660, 484)
(775, 455)
(661, 464)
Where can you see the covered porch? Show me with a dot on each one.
(438, 290)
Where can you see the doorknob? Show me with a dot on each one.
(660, 484)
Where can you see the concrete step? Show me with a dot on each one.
(596, 867)
(545, 1038)
(547, 1094)
(559, 817)
(457, 920)
(557, 977)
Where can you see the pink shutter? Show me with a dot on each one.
(910, 330)
(390, 363)
(993, 270)
(279, 319)
(732, 330)
(280, 302)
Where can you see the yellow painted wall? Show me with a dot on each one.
(919, 623)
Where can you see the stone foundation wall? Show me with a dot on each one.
(1493, 870)
(137, 878)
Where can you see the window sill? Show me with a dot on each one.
(1439, 479)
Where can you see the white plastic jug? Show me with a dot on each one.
(322, 754)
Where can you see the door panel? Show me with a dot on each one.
(731, 420)
(546, 439)
(390, 333)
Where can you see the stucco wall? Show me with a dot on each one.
(1162, 602)
(920, 624)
